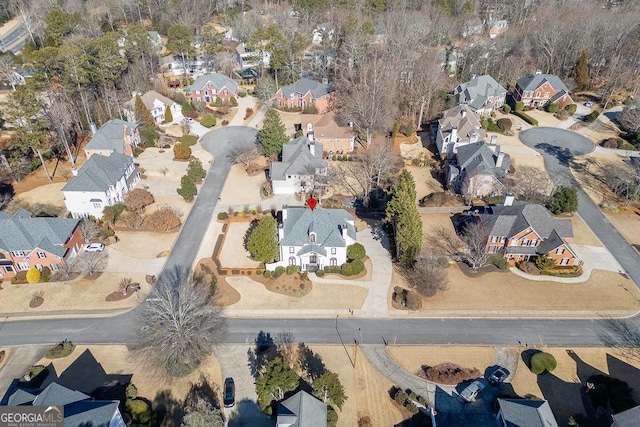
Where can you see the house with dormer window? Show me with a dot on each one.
(302, 168)
(210, 87)
(538, 90)
(314, 238)
(306, 92)
(115, 136)
(458, 126)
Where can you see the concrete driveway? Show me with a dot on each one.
(121, 263)
(597, 257)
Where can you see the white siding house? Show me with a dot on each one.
(301, 167)
(102, 181)
(458, 126)
(156, 104)
(314, 239)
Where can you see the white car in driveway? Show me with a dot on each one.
(94, 247)
(471, 391)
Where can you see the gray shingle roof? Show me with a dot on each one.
(20, 397)
(510, 220)
(219, 80)
(297, 159)
(148, 99)
(55, 394)
(24, 233)
(325, 223)
(109, 136)
(316, 249)
(476, 91)
(94, 413)
(302, 410)
(305, 85)
(481, 158)
(99, 173)
(558, 95)
(527, 413)
(466, 126)
(628, 418)
(534, 81)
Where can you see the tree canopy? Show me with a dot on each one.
(262, 243)
(276, 380)
(272, 136)
(564, 199)
(402, 213)
(329, 383)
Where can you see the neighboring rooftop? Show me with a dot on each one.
(111, 136)
(21, 232)
(297, 159)
(148, 99)
(464, 120)
(510, 220)
(99, 173)
(305, 85)
(527, 413)
(219, 80)
(325, 125)
(534, 81)
(476, 91)
(483, 158)
(302, 410)
(327, 224)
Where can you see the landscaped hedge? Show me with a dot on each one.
(519, 106)
(292, 269)
(356, 251)
(527, 118)
(553, 107)
(543, 362)
(208, 121)
(189, 139)
(352, 268)
(571, 108)
(280, 270)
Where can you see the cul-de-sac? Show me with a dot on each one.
(320, 213)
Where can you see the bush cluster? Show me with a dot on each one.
(543, 362)
(488, 124)
(499, 261)
(571, 108)
(242, 93)
(527, 118)
(528, 267)
(506, 108)
(332, 269)
(352, 268)
(248, 113)
(448, 373)
(181, 151)
(279, 271)
(519, 106)
(223, 216)
(208, 120)
(233, 101)
(267, 274)
(189, 139)
(356, 251)
(292, 269)
(552, 107)
(591, 117)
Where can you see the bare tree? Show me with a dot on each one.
(622, 335)
(475, 235)
(529, 184)
(443, 240)
(287, 347)
(64, 271)
(89, 229)
(92, 262)
(244, 153)
(178, 325)
(629, 118)
(428, 274)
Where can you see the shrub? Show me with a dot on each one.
(137, 199)
(33, 275)
(60, 350)
(187, 188)
(448, 373)
(36, 374)
(571, 108)
(504, 124)
(528, 267)
(293, 269)
(189, 139)
(208, 121)
(332, 417)
(488, 124)
(139, 410)
(412, 395)
(352, 268)
(332, 269)
(162, 220)
(195, 171)
(320, 273)
(233, 101)
(356, 251)
(543, 362)
(591, 117)
(310, 109)
(519, 106)
(223, 216)
(564, 199)
(400, 397)
(242, 93)
(280, 270)
(19, 278)
(225, 122)
(506, 108)
(187, 108)
(248, 113)
(412, 407)
(527, 118)
(552, 107)
(499, 261)
(132, 391)
(45, 274)
(267, 274)
(131, 219)
(298, 133)
(181, 151)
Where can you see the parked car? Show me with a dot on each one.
(498, 376)
(188, 119)
(229, 393)
(94, 247)
(471, 391)
(588, 104)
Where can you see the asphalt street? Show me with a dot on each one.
(558, 147)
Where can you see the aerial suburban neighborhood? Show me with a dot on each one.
(320, 213)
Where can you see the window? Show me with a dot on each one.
(333, 262)
(559, 251)
(312, 237)
(54, 267)
(225, 92)
(537, 94)
(42, 255)
(198, 93)
(565, 261)
(503, 239)
(39, 266)
(17, 253)
(206, 93)
(23, 266)
(313, 259)
(291, 249)
(292, 260)
(333, 251)
(97, 205)
(494, 239)
(9, 269)
(525, 242)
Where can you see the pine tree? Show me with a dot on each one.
(187, 188)
(330, 383)
(564, 199)
(402, 212)
(277, 379)
(273, 135)
(195, 170)
(168, 115)
(263, 241)
(143, 115)
(581, 71)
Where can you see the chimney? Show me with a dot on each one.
(93, 127)
(499, 160)
(325, 81)
(344, 230)
(312, 146)
(494, 139)
(508, 199)
(280, 231)
(454, 135)
(473, 138)
(284, 213)
(133, 93)
(538, 72)
(473, 76)
(463, 113)
(74, 171)
(310, 136)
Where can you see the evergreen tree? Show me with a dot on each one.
(329, 383)
(168, 115)
(195, 170)
(402, 213)
(581, 71)
(262, 243)
(277, 379)
(564, 199)
(143, 115)
(202, 414)
(273, 135)
(187, 188)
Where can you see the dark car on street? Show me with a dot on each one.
(229, 393)
(498, 376)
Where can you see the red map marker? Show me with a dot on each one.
(312, 202)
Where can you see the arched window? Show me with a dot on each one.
(333, 262)
(292, 260)
(312, 237)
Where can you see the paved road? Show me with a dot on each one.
(218, 142)
(558, 147)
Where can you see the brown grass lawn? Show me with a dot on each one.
(413, 357)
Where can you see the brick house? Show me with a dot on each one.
(39, 242)
(115, 136)
(324, 129)
(537, 90)
(156, 104)
(306, 92)
(522, 232)
(215, 85)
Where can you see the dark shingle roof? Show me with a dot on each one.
(99, 173)
(628, 418)
(510, 220)
(527, 413)
(534, 81)
(94, 413)
(24, 233)
(20, 397)
(219, 80)
(476, 91)
(305, 85)
(325, 223)
(55, 394)
(302, 410)
(297, 159)
(109, 136)
(481, 158)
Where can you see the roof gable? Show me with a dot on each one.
(302, 410)
(110, 136)
(326, 224)
(534, 81)
(464, 120)
(218, 80)
(99, 173)
(484, 86)
(24, 233)
(304, 85)
(527, 413)
(297, 159)
(55, 394)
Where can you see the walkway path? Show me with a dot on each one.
(19, 359)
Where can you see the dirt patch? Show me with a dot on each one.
(413, 358)
(233, 253)
(36, 301)
(119, 295)
(60, 171)
(293, 285)
(447, 373)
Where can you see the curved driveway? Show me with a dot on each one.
(558, 147)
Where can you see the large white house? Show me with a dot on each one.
(301, 169)
(458, 126)
(313, 239)
(102, 181)
(482, 94)
(156, 104)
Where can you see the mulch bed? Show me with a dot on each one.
(490, 268)
(93, 276)
(36, 302)
(119, 295)
(225, 294)
(287, 284)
